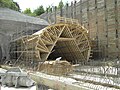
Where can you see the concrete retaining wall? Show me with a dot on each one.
(14, 25)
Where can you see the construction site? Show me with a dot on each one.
(74, 48)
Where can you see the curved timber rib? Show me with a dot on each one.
(66, 39)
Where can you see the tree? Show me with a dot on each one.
(14, 6)
(28, 12)
(40, 10)
(49, 9)
(17, 5)
(61, 5)
(5, 3)
(9, 4)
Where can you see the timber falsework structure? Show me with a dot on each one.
(66, 39)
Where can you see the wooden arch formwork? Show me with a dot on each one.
(66, 39)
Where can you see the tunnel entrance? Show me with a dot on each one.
(65, 50)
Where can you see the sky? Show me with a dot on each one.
(33, 4)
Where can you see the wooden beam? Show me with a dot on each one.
(55, 83)
(65, 39)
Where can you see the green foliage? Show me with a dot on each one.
(40, 10)
(49, 9)
(5, 3)
(61, 5)
(9, 4)
(28, 11)
(17, 6)
(36, 12)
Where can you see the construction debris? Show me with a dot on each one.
(16, 77)
(56, 67)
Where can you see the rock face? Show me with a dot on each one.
(14, 24)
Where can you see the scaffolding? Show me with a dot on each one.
(66, 39)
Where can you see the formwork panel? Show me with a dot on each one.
(111, 21)
(101, 29)
(92, 23)
(78, 9)
(112, 54)
(84, 17)
(69, 11)
(112, 41)
(111, 33)
(91, 4)
(111, 27)
(78, 17)
(110, 4)
(101, 22)
(100, 12)
(111, 13)
(92, 35)
(118, 8)
(84, 6)
(119, 31)
(63, 12)
(93, 32)
(118, 3)
(118, 42)
(100, 3)
(92, 15)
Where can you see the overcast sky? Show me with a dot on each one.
(33, 4)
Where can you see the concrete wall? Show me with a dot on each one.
(10, 30)
(101, 18)
(4, 41)
(14, 26)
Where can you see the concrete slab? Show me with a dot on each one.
(12, 88)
